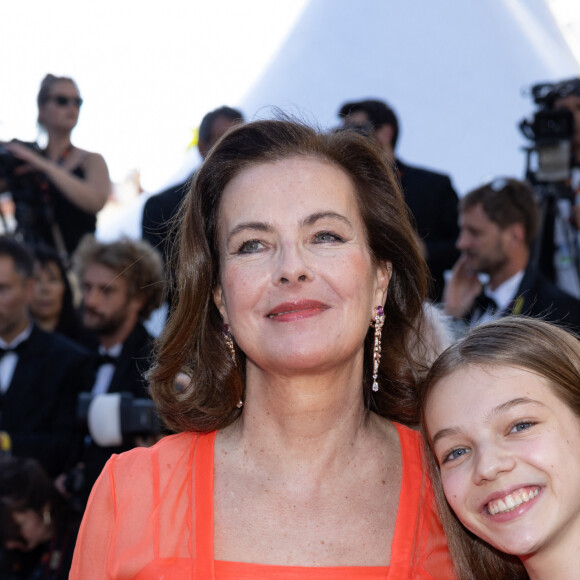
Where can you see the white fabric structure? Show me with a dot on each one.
(453, 70)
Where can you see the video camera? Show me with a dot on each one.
(552, 132)
(111, 417)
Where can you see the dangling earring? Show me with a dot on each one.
(46, 518)
(230, 344)
(377, 323)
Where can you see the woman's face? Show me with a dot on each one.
(508, 451)
(61, 110)
(48, 294)
(298, 286)
(33, 531)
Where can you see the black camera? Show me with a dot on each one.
(551, 130)
(112, 416)
(32, 211)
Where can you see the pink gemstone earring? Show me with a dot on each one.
(377, 323)
(230, 344)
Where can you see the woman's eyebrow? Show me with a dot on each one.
(313, 218)
(252, 226)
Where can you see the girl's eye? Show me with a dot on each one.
(521, 426)
(455, 454)
(249, 247)
(326, 237)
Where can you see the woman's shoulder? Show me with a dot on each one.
(166, 453)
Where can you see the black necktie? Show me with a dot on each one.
(485, 303)
(103, 359)
(14, 349)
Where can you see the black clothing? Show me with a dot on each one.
(130, 367)
(158, 212)
(74, 223)
(46, 216)
(538, 297)
(434, 205)
(50, 560)
(39, 408)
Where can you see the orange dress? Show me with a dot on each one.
(150, 516)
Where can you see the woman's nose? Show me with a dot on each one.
(491, 462)
(291, 266)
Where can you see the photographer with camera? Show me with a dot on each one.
(570, 101)
(553, 167)
(57, 191)
(122, 282)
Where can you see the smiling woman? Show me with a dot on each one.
(501, 414)
(295, 248)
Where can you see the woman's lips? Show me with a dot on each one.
(291, 311)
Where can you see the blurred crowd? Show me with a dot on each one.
(74, 348)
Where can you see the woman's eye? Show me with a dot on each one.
(326, 237)
(521, 426)
(250, 246)
(455, 454)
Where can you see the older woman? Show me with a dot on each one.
(292, 460)
(70, 184)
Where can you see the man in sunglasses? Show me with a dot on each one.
(429, 195)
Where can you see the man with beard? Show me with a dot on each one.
(122, 283)
(498, 222)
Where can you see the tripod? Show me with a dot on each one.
(556, 250)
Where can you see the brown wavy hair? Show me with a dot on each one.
(192, 341)
(515, 341)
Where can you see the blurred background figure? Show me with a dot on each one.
(499, 222)
(57, 191)
(161, 208)
(121, 283)
(41, 373)
(52, 306)
(429, 195)
(38, 527)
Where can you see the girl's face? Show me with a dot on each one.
(509, 454)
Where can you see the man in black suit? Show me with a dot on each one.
(498, 224)
(122, 283)
(429, 195)
(160, 209)
(41, 373)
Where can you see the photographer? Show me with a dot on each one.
(571, 102)
(122, 282)
(57, 191)
(553, 167)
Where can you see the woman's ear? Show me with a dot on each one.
(384, 273)
(219, 301)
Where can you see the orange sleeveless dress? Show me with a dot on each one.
(150, 516)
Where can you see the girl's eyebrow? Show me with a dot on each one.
(449, 431)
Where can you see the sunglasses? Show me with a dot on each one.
(63, 101)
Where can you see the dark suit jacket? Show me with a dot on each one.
(133, 362)
(433, 203)
(39, 408)
(540, 298)
(158, 212)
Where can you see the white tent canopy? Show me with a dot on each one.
(453, 70)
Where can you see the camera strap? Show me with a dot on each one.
(55, 230)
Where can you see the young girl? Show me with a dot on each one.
(501, 417)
